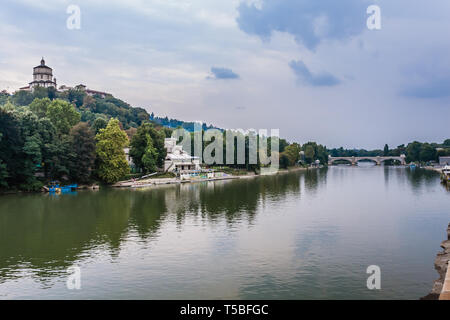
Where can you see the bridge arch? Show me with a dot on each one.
(343, 159)
(367, 159)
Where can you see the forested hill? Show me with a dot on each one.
(90, 107)
(175, 123)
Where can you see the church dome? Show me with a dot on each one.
(42, 65)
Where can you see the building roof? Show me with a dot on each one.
(42, 65)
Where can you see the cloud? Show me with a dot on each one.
(304, 75)
(223, 73)
(308, 21)
(434, 88)
(428, 78)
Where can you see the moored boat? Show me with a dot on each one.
(56, 188)
(445, 176)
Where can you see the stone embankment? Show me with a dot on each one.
(441, 287)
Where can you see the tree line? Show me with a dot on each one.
(46, 139)
(420, 152)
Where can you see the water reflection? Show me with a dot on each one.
(282, 236)
(46, 234)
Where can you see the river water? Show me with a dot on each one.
(300, 235)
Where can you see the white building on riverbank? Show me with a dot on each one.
(177, 159)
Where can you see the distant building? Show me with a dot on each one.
(177, 159)
(443, 161)
(42, 77)
(90, 92)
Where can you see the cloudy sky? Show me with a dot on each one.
(311, 68)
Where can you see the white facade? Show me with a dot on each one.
(127, 156)
(177, 159)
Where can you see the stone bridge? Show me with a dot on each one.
(378, 160)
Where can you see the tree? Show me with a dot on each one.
(150, 156)
(3, 172)
(40, 106)
(309, 154)
(144, 140)
(413, 151)
(76, 97)
(99, 123)
(82, 141)
(112, 164)
(447, 143)
(284, 161)
(22, 98)
(63, 115)
(386, 150)
(427, 152)
(292, 152)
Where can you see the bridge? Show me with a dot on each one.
(378, 160)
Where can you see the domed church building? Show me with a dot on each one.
(42, 77)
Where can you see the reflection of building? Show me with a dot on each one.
(177, 159)
(42, 77)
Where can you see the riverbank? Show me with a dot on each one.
(441, 287)
(155, 181)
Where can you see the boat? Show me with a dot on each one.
(445, 176)
(56, 188)
(412, 166)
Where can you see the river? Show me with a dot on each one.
(300, 235)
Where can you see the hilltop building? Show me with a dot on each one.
(43, 77)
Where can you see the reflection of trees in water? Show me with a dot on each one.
(148, 209)
(48, 234)
(45, 235)
(230, 200)
(421, 178)
(314, 179)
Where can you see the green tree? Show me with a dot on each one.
(112, 164)
(284, 161)
(40, 106)
(3, 172)
(150, 156)
(143, 142)
(99, 123)
(309, 154)
(292, 152)
(82, 159)
(386, 150)
(76, 97)
(413, 151)
(427, 152)
(22, 98)
(63, 115)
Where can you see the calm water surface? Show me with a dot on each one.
(292, 236)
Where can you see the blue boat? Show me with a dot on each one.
(412, 166)
(56, 188)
